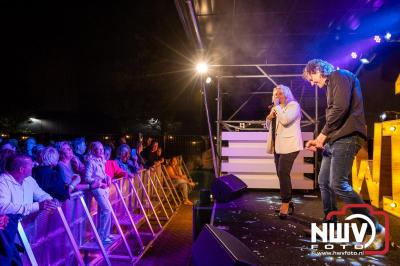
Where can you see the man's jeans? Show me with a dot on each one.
(334, 175)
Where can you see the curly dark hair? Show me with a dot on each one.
(317, 65)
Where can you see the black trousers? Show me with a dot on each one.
(284, 164)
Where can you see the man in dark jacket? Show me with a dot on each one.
(341, 138)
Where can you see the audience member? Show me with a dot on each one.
(79, 145)
(28, 146)
(36, 152)
(139, 150)
(160, 156)
(4, 155)
(122, 158)
(19, 192)
(9, 254)
(112, 168)
(95, 170)
(49, 179)
(179, 180)
(3, 221)
(69, 165)
(150, 155)
(8, 146)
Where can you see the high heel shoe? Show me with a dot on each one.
(291, 208)
(286, 209)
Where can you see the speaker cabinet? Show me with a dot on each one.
(215, 247)
(227, 187)
(201, 216)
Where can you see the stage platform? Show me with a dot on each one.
(252, 219)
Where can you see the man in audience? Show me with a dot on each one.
(150, 155)
(79, 145)
(19, 192)
(28, 146)
(122, 158)
(19, 195)
(140, 160)
(4, 155)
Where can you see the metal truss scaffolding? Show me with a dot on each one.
(269, 72)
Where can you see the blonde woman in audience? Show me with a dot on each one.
(95, 171)
(70, 167)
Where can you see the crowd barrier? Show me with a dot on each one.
(141, 208)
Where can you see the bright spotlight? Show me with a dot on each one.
(383, 116)
(364, 61)
(377, 38)
(34, 120)
(202, 68)
(388, 35)
(208, 80)
(353, 55)
(393, 128)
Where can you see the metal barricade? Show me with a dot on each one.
(72, 230)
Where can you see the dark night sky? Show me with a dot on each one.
(105, 67)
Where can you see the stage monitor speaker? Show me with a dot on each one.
(227, 187)
(215, 247)
(201, 217)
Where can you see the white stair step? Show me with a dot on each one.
(263, 168)
(272, 181)
(258, 151)
(255, 136)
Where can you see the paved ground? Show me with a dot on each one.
(173, 247)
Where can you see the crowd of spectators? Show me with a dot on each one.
(36, 177)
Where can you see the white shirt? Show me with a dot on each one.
(95, 170)
(19, 199)
(288, 132)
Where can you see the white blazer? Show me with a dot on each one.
(288, 133)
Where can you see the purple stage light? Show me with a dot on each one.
(377, 38)
(353, 55)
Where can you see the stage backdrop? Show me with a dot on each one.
(246, 157)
